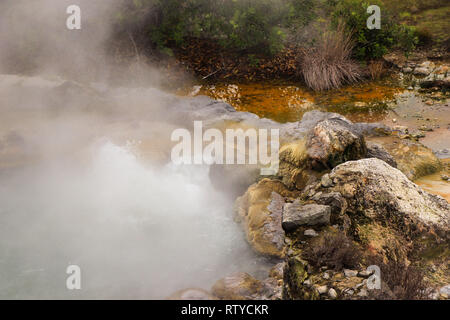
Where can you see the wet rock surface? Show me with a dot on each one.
(239, 286)
(260, 209)
(346, 172)
(242, 286)
(411, 157)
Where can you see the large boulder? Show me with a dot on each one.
(375, 191)
(260, 211)
(327, 143)
(332, 142)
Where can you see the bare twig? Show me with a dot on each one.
(212, 73)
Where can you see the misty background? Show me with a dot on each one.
(84, 171)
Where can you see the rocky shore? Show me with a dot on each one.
(344, 200)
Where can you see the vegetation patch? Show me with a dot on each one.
(334, 250)
(262, 39)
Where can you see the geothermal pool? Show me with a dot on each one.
(93, 188)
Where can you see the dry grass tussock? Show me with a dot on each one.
(328, 64)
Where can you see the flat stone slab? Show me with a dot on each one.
(297, 214)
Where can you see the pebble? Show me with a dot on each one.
(407, 70)
(350, 273)
(401, 129)
(363, 293)
(417, 135)
(434, 295)
(326, 181)
(365, 273)
(422, 71)
(359, 285)
(332, 293)
(425, 128)
(445, 291)
(310, 233)
(322, 289)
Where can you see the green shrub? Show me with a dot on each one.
(372, 44)
(254, 25)
(301, 12)
(248, 25)
(259, 26)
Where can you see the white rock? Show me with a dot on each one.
(307, 283)
(365, 273)
(310, 233)
(326, 181)
(322, 289)
(363, 293)
(401, 197)
(350, 292)
(350, 273)
(445, 291)
(332, 293)
(422, 71)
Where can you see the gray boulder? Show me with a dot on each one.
(375, 150)
(332, 142)
(378, 192)
(297, 214)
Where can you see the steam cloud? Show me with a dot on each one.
(84, 177)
